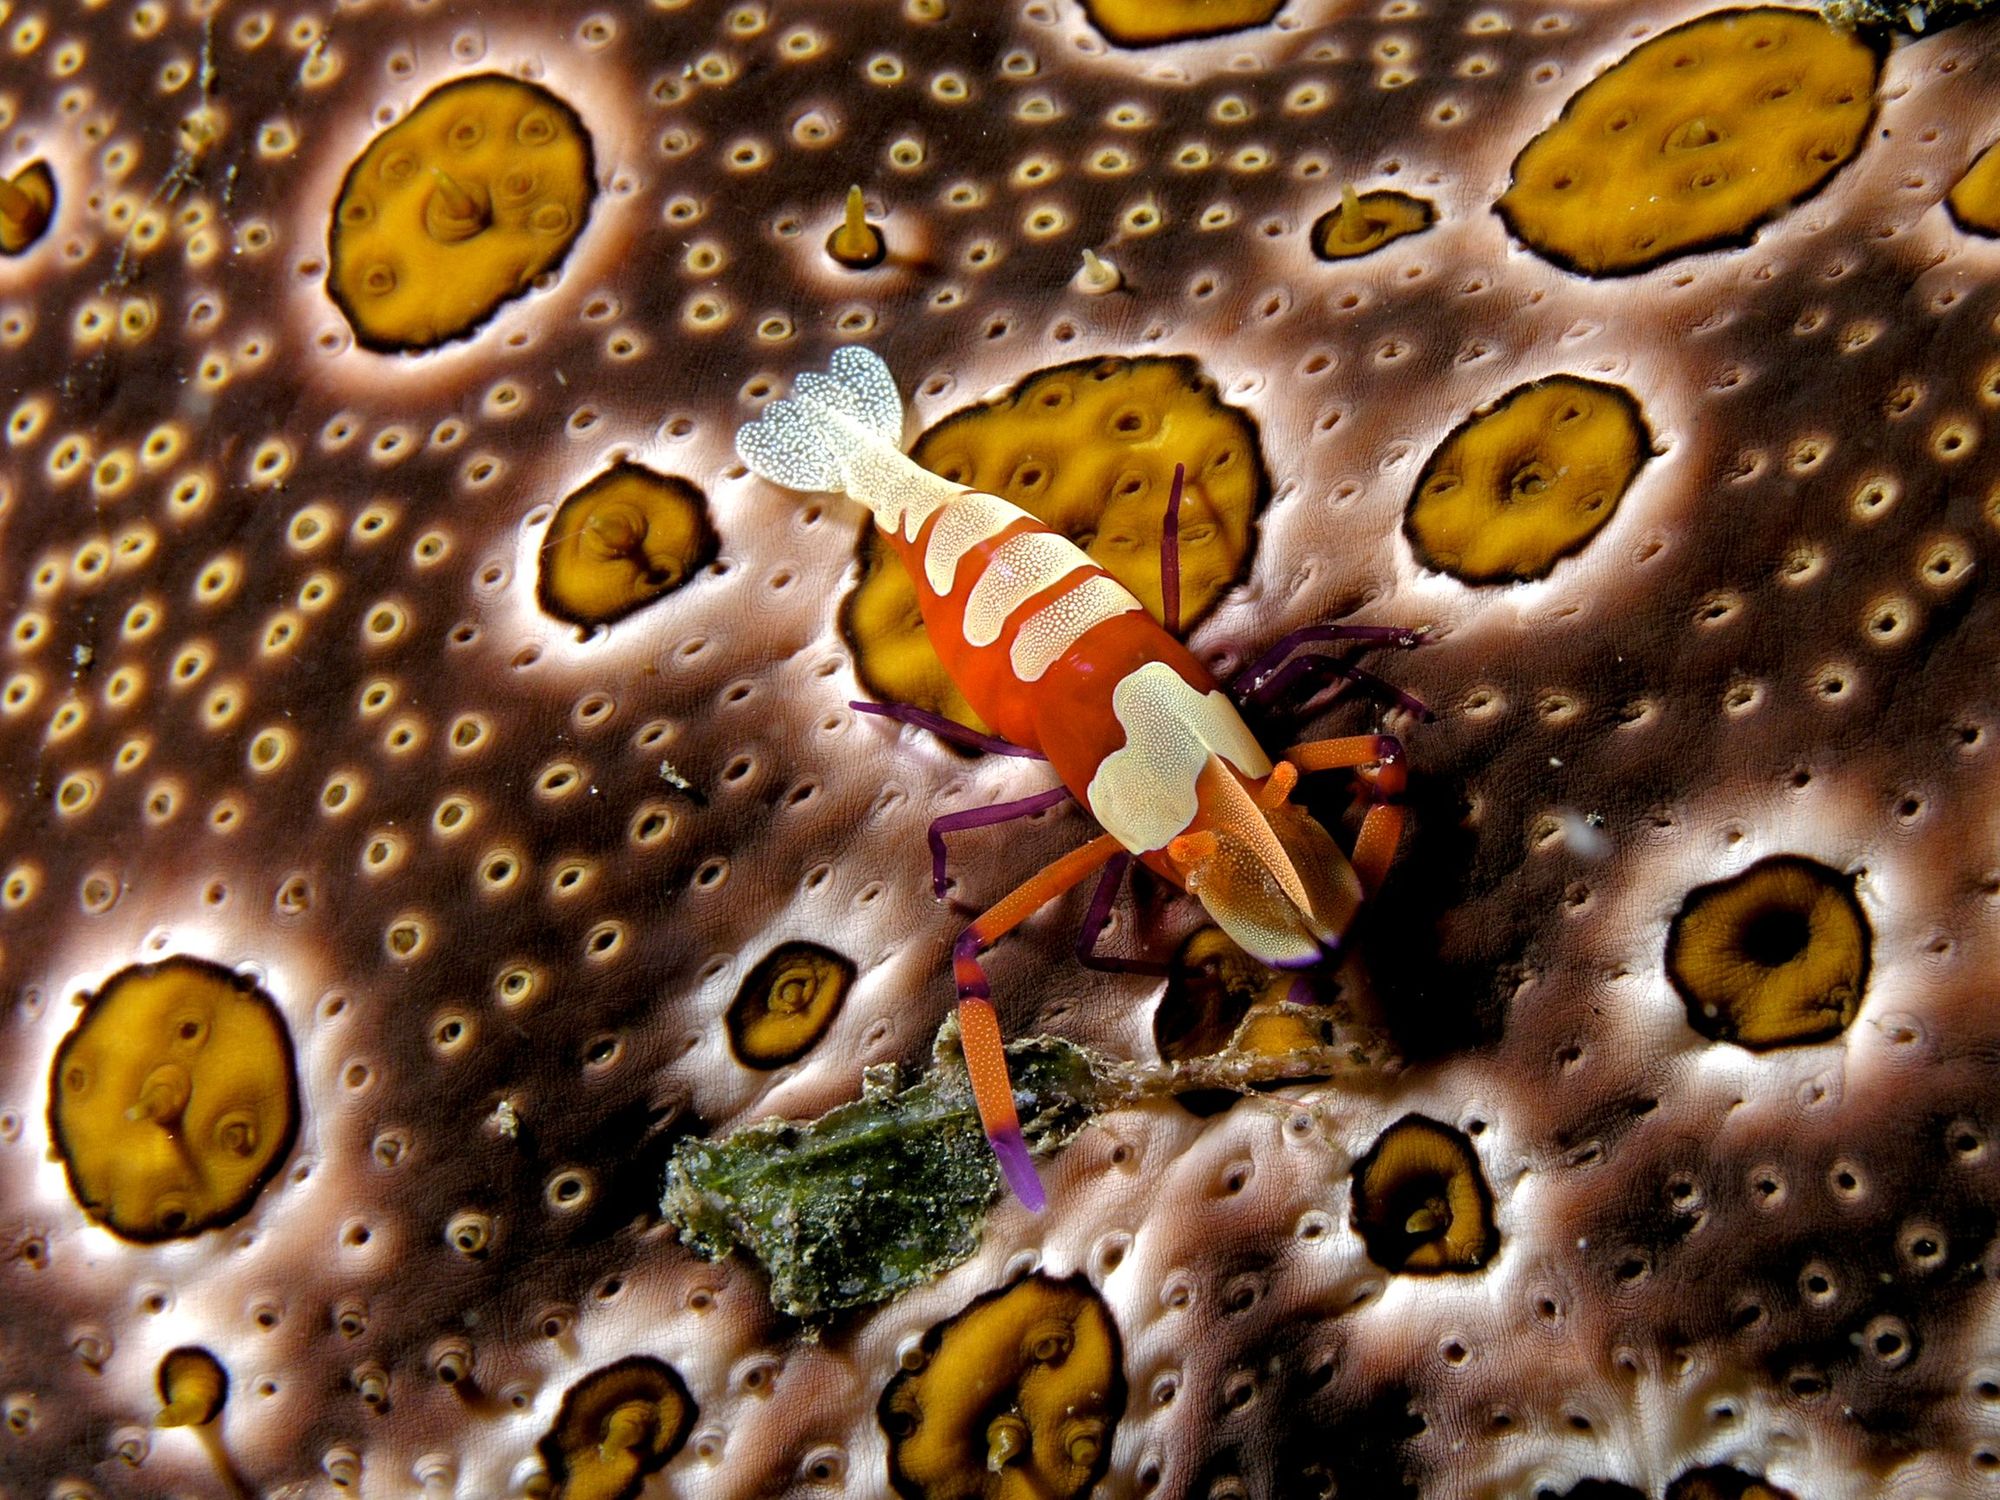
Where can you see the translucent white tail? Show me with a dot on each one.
(826, 431)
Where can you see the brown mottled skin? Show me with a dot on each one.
(1772, 1262)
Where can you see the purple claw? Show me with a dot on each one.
(1019, 1171)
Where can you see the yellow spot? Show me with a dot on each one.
(192, 1388)
(624, 539)
(457, 208)
(1088, 449)
(1693, 140)
(1773, 957)
(786, 1004)
(27, 203)
(1421, 1203)
(1015, 1398)
(1218, 996)
(174, 1099)
(1516, 488)
(1367, 221)
(1974, 199)
(1148, 23)
(616, 1426)
(857, 244)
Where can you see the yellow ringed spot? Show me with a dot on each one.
(193, 1387)
(786, 1003)
(271, 462)
(1152, 23)
(1694, 139)
(1421, 1202)
(457, 208)
(1516, 488)
(620, 542)
(1219, 996)
(76, 792)
(270, 749)
(27, 207)
(1365, 222)
(1025, 1381)
(616, 1426)
(173, 1100)
(1777, 956)
(1974, 199)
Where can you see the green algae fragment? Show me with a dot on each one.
(882, 1194)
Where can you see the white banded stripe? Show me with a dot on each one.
(1051, 630)
(1018, 569)
(962, 525)
(1144, 791)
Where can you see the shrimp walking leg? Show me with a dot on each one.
(1170, 555)
(1379, 758)
(1098, 917)
(1364, 636)
(947, 729)
(984, 817)
(985, 1060)
(1315, 664)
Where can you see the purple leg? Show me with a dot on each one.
(1170, 555)
(984, 817)
(947, 729)
(1363, 635)
(1094, 923)
(1313, 664)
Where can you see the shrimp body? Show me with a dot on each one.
(1063, 661)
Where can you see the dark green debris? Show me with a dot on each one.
(889, 1192)
(881, 1194)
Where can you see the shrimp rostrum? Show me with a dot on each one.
(1067, 666)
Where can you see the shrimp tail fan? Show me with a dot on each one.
(810, 440)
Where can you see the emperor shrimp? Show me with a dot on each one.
(1068, 667)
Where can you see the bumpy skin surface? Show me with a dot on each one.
(276, 692)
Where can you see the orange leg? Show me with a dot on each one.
(984, 1058)
(1382, 827)
(1375, 847)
